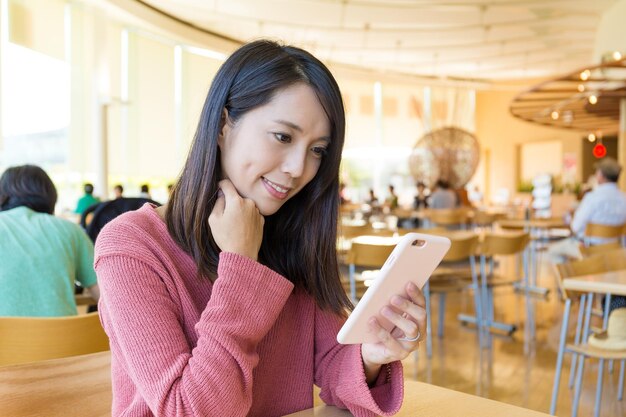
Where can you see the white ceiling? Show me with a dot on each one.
(488, 40)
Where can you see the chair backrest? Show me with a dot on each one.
(615, 259)
(429, 231)
(30, 339)
(368, 255)
(504, 243)
(483, 218)
(108, 210)
(448, 217)
(599, 249)
(461, 248)
(604, 231)
(348, 231)
(592, 265)
(68, 387)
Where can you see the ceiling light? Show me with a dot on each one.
(581, 88)
(554, 115)
(585, 75)
(593, 99)
(591, 137)
(617, 56)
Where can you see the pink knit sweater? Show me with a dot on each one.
(247, 345)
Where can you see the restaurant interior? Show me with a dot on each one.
(508, 107)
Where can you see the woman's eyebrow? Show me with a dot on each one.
(290, 124)
(298, 128)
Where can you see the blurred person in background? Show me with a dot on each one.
(118, 191)
(443, 197)
(605, 204)
(391, 202)
(421, 198)
(475, 196)
(41, 256)
(87, 199)
(145, 191)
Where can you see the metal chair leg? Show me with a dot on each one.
(477, 301)
(429, 324)
(579, 325)
(485, 325)
(581, 359)
(596, 408)
(579, 380)
(605, 322)
(620, 386)
(559, 358)
(352, 283)
(442, 312)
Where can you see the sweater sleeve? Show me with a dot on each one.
(340, 374)
(143, 321)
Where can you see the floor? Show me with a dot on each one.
(505, 373)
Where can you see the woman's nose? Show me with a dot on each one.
(294, 162)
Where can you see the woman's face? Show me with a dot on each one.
(273, 151)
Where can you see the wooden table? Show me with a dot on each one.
(422, 399)
(69, 387)
(613, 283)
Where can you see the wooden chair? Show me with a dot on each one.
(496, 244)
(68, 387)
(30, 339)
(448, 218)
(348, 231)
(429, 231)
(452, 274)
(599, 249)
(595, 264)
(593, 230)
(482, 219)
(365, 256)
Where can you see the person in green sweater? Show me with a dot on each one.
(41, 256)
(86, 200)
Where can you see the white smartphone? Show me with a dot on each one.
(413, 259)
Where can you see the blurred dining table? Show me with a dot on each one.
(421, 399)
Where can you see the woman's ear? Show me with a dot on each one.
(226, 126)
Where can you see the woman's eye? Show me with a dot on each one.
(320, 151)
(281, 137)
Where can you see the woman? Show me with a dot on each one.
(41, 256)
(228, 300)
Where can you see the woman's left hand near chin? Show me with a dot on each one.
(410, 328)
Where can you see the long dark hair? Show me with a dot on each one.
(29, 186)
(299, 240)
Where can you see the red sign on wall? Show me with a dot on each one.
(599, 151)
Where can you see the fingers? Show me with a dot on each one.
(407, 320)
(220, 204)
(229, 191)
(409, 313)
(393, 348)
(416, 294)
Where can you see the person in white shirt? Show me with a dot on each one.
(606, 204)
(443, 197)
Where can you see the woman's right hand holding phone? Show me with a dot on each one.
(236, 224)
